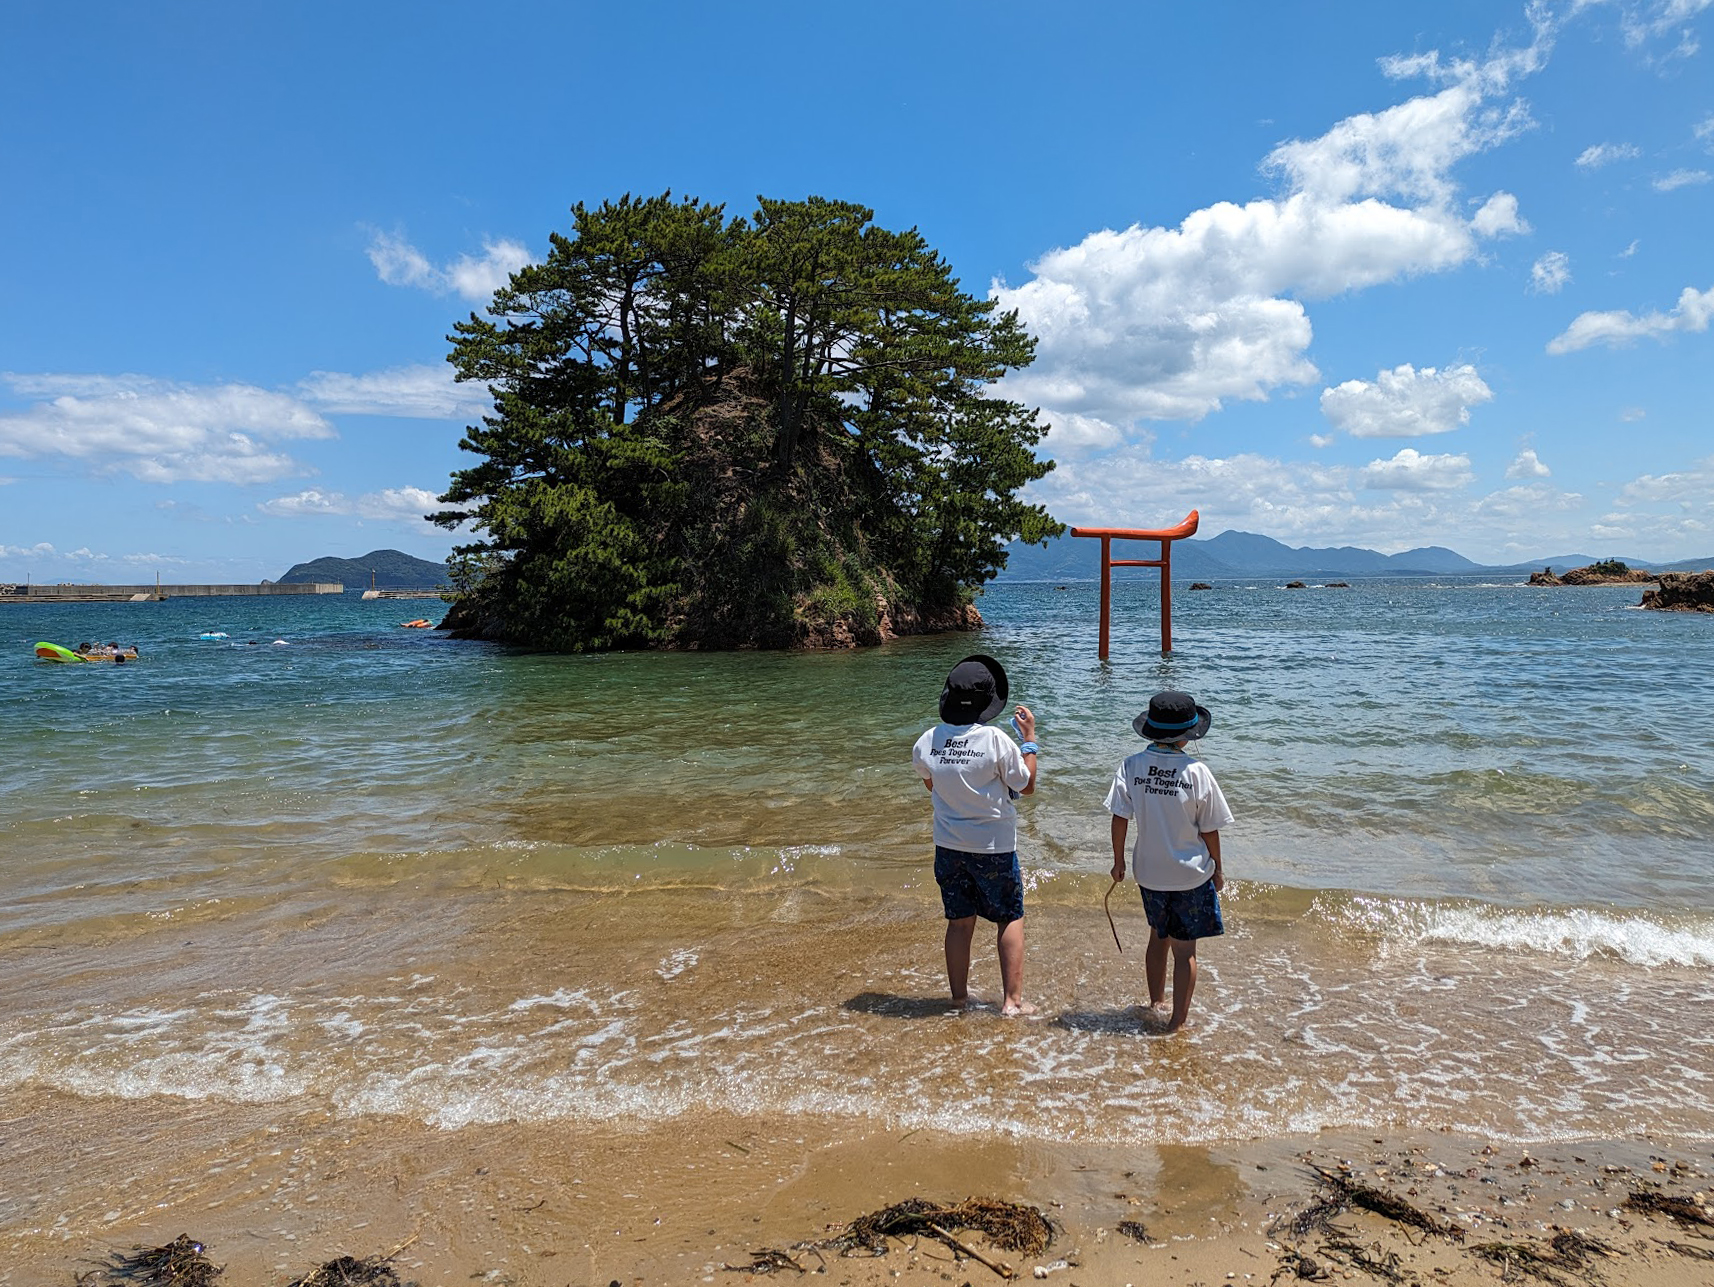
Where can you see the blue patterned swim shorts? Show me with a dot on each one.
(1184, 913)
(987, 885)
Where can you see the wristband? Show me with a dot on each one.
(1030, 748)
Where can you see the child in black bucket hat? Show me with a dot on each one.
(974, 772)
(1179, 810)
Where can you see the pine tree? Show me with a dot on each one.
(725, 433)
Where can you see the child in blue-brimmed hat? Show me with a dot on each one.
(974, 771)
(1179, 810)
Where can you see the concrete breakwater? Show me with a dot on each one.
(66, 593)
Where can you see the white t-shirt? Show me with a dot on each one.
(1172, 798)
(972, 766)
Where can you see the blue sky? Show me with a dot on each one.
(1388, 275)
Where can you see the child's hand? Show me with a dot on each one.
(1118, 872)
(1219, 880)
(1026, 723)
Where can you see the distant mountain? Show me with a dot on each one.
(391, 569)
(1241, 554)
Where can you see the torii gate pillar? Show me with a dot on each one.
(1166, 536)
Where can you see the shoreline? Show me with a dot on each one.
(278, 1189)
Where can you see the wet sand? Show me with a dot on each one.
(274, 1191)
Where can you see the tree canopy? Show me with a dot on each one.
(726, 433)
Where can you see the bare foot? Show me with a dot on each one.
(1013, 1010)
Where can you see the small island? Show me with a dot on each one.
(766, 432)
(1606, 572)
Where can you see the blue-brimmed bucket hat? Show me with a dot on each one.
(975, 691)
(1173, 717)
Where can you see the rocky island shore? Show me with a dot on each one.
(1682, 592)
(1606, 572)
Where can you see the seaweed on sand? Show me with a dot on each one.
(179, 1263)
(769, 1260)
(1519, 1260)
(1376, 1262)
(349, 1271)
(1567, 1250)
(1006, 1225)
(1685, 1249)
(1344, 1192)
(1654, 1202)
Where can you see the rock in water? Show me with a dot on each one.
(1682, 592)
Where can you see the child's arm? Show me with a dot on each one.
(1026, 722)
(1120, 827)
(1212, 840)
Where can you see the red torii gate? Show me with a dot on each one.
(1166, 536)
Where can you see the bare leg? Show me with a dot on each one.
(1154, 963)
(1183, 980)
(1010, 943)
(958, 935)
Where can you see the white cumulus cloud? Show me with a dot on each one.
(1592, 158)
(1686, 487)
(423, 391)
(1411, 471)
(1619, 327)
(394, 504)
(1681, 179)
(1672, 510)
(1405, 402)
(159, 431)
(1527, 465)
(1498, 217)
(398, 263)
(1155, 323)
(1550, 273)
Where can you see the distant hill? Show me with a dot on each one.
(1241, 554)
(392, 569)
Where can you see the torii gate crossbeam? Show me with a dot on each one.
(1166, 536)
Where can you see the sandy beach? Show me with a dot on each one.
(272, 1193)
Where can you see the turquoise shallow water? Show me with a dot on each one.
(1520, 746)
(400, 874)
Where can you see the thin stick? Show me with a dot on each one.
(1107, 905)
(998, 1266)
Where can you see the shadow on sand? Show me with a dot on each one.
(1132, 1021)
(897, 1007)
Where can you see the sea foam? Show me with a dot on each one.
(1578, 933)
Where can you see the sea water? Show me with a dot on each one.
(329, 862)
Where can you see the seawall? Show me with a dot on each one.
(66, 593)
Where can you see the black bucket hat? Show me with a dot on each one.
(1172, 716)
(975, 691)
